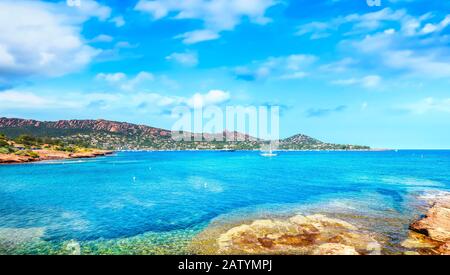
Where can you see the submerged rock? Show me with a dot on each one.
(12, 237)
(315, 234)
(418, 241)
(72, 248)
(335, 249)
(411, 253)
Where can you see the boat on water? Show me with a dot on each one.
(269, 153)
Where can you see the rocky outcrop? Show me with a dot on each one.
(314, 234)
(436, 223)
(11, 159)
(50, 155)
(431, 234)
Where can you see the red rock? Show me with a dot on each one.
(436, 223)
(314, 234)
(431, 234)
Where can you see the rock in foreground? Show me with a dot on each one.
(315, 234)
(46, 154)
(431, 234)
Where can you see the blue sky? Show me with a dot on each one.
(341, 70)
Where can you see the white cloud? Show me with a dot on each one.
(42, 38)
(186, 59)
(359, 23)
(373, 21)
(423, 64)
(428, 105)
(391, 41)
(140, 78)
(197, 36)
(21, 100)
(121, 79)
(391, 51)
(134, 102)
(216, 15)
(13, 99)
(102, 38)
(431, 28)
(295, 75)
(370, 81)
(283, 67)
(112, 78)
(389, 31)
(87, 9)
(143, 81)
(119, 21)
(316, 29)
(340, 65)
(213, 97)
(125, 44)
(157, 9)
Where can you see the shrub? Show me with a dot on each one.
(4, 150)
(27, 153)
(4, 143)
(26, 140)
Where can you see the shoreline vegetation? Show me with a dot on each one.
(26, 149)
(38, 155)
(116, 136)
(24, 141)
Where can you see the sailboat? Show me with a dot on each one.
(269, 153)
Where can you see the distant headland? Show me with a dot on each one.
(24, 138)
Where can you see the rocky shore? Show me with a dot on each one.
(300, 235)
(319, 234)
(43, 155)
(431, 233)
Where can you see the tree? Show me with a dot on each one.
(26, 140)
(4, 143)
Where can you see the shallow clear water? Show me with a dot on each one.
(157, 198)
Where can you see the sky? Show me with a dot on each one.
(341, 71)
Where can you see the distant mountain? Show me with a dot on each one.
(121, 135)
(301, 139)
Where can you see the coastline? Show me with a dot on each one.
(322, 232)
(46, 155)
(257, 150)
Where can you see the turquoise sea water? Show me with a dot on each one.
(155, 202)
